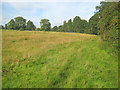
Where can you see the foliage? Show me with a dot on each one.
(6, 27)
(30, 26)
(108, 23)
(59, 28)
(45, 25)
(83, 26)
(11, 24)
(76, 24)
(21, 29)
(54, 28)
(37, 29)
(1, 27)
(69, 26)
(20, 22)
(93, 22)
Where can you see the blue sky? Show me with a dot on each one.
(55, 11)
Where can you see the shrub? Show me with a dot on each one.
(21, 29)
(37, 29)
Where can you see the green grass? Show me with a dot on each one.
(55, 59)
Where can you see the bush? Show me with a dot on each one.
(37, 29)
(21, 29)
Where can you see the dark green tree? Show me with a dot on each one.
(93, 22)
(11, 24)
(1, 27)
(54, 28)
(64, 28)
(45, 25)
(37, 29)
(6, 26)
(108, 23)
(108, 13)
(20, 22)
(83, 26)
(59, 28)
(30, 26)
(76, 24)
(69, 26)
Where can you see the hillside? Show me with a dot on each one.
(42, 59)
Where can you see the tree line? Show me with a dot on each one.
(104, 22)
(19, 23)
(107, 23)
(78, 25)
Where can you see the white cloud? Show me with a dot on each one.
(56, 12)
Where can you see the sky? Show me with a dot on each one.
(57, 11)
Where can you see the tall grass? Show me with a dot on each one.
(39, 59)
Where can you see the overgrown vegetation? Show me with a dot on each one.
(56, 60)
(108, 24)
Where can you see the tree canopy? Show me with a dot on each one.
(20, 22)
(1, 27)
(54, 28)
(30, 26)
(45, 25)
(11, 24)
(76, 24)
(6, 27)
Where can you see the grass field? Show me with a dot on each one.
(41, 59)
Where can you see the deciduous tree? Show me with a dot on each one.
(30, 25)
(45, 25)
(20, 22)
(11, 24)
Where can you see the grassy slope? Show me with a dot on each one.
(51, 59)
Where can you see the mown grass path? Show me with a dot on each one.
(54, 59)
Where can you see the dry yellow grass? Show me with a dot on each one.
(19, 45)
